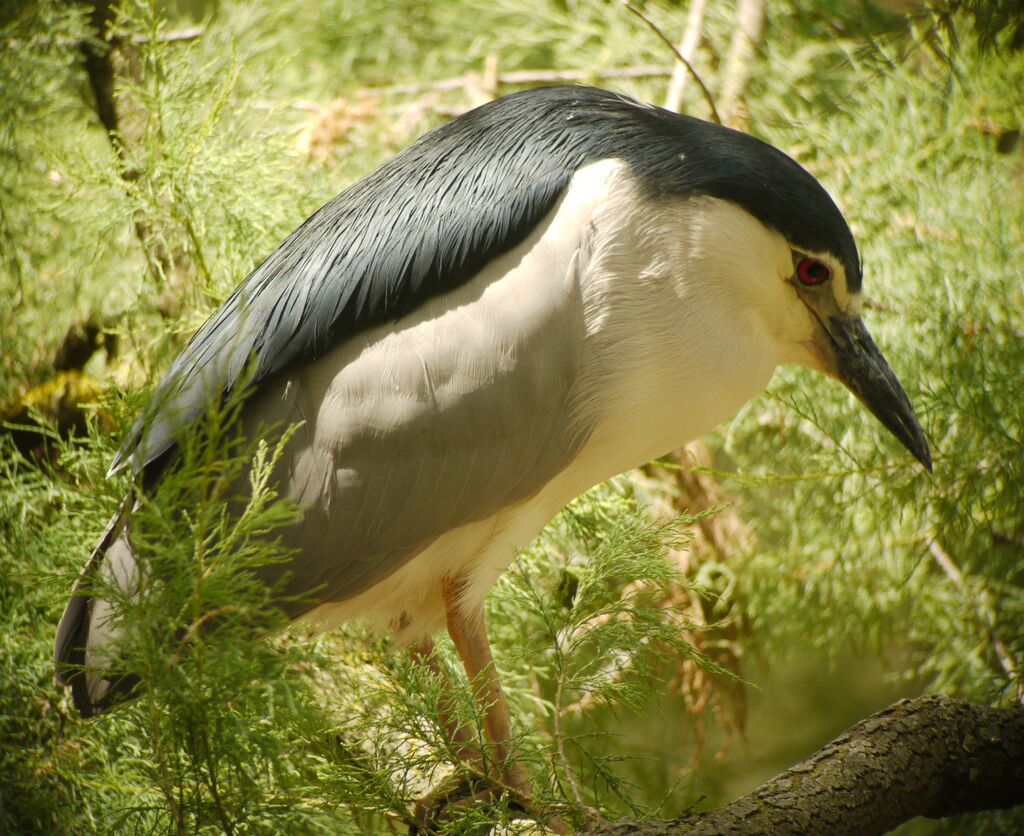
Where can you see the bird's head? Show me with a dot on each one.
(823, 289)
(789, 258)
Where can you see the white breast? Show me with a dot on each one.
(661, 362)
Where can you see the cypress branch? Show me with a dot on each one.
(933, 756)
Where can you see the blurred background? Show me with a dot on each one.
(153, 153)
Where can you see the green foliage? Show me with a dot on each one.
(42, 282)
(993, 20)
(591, 628)
(563, 633)
(217, 706)
(911, 125)
(42, 512)
(211, 740)
(949, 273)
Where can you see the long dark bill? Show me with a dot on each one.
(862, 368)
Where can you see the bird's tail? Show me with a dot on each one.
(88, 633)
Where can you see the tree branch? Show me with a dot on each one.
(933, 756)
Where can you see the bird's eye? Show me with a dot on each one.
(811, 271)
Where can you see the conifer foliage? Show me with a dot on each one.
(151, 153)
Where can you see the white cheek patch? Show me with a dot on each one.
(848, 302)
(854, 305)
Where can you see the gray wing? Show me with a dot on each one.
(421, 225)
(455, 414)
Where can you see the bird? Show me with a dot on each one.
(542, 293)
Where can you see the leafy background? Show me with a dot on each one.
(675, 637)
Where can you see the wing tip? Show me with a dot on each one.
(69, 655)
(89, 694)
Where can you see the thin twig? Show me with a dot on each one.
(704, 90)
(188, 34)
(165, 781)
(687, 49)
(556, 731)
(1003, 654)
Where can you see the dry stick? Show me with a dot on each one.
(515, 78)
(489, 80)
(687, 49)
(529, 77)
(653, 27)
(948, 565)
(503, 79)
(745, 39)
(482, 87)
(174, 36)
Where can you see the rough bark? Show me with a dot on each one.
(933, 756)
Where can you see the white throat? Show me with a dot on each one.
(672, 349)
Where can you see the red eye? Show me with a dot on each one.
(811, 271)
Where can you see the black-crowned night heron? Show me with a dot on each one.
(548, 290)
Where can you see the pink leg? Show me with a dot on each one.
(469, 633)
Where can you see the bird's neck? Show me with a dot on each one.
(667, 358)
